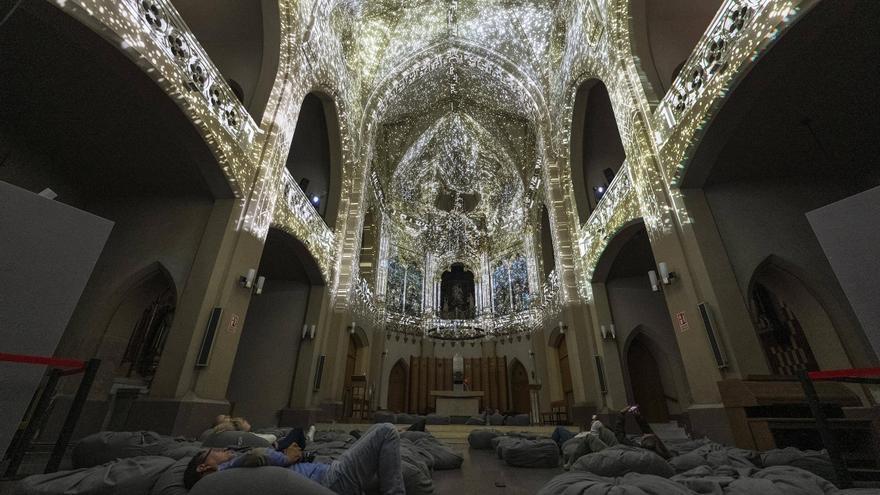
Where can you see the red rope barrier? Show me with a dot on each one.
(43, 360)
(852, 373)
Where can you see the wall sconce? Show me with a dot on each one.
(261, 280)
(665, 277)
(561, 328)
(609, 332)
(308, 332)
(247, 281)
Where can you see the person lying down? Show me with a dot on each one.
(375, 455)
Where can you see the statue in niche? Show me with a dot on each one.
(457, 293)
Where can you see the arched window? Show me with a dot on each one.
(510, 285)
(404, 291)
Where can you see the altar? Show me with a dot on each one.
(455, 403)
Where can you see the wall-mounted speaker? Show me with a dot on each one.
(208, 338)
(319, 371)
(600, 371)
(714, 341)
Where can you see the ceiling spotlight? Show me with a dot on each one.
(315, 200)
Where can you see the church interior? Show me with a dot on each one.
(498, 220)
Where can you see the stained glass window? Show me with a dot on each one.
(510, 285)
(404, 291)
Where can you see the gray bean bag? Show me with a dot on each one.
(170, 482)
(581, 483)
(106, 446)
(572, 450)
(814, 461)
(496, 419)
(384, 417)
(407, 419)
(412, 453)
(482, 439)
(268, 480)
(681, 446)
(333, 436)
(776, 480)
(131, 476)
(714, 454)
(415, 435)
(180, 450)
(518, 420)
(475, 420)
(532, 453)
(234, 439)
(444, 457)
(416, 478)
(437, 419)
(501, 443)
(621, 459)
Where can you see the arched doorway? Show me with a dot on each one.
(397, 387)
(314, 161)
(596, 148)
(646, 381)
(793, 327)
(565, 372)
(272, 333)
(519, 388)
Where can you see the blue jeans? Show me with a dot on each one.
(561, 435)
(376, 453)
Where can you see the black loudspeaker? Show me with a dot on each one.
(208, 338)
(600, 370)
(304, 184)
(319, 370)
(709, 325)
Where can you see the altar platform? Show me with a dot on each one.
(457, 403)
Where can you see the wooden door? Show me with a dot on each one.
(647, 387)
(397, 388)
(565, 373)
(519, 388)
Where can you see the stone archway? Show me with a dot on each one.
(645, 381)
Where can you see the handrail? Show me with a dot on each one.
(23, 441)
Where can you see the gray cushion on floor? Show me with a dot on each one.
(482, 439)
(384, 417)
(444, 456)
(437, 419)
(416, 479)
(621, 459)
(415, 435)
(236, 439)
(519, 420)
(475, 420)
(182, 449)
(814, 461)
(714, 454)
(268, 480)
(572, 450)
(131, 476)
(170, 482)
(106, 446)
(531, 453)
(776, 480)
(496, 419)
(406, 419)
(501, 443)
(581, 483)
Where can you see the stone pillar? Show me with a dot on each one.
(534, 399)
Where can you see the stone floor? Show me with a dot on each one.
(482, 473)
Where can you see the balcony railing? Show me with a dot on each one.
(305, 211)
(159, 20)
(600, 218)
(709, 59)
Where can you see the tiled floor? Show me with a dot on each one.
(482, 473)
